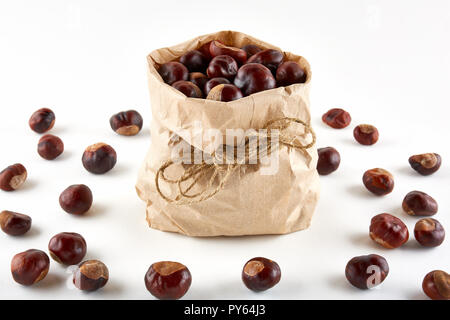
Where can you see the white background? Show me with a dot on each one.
(386, 62)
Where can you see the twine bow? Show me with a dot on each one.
(222, 172)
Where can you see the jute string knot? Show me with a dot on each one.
(220, 173)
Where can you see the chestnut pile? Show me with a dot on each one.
(219, 72)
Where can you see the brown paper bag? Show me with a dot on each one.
(249, 203)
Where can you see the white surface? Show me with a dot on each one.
(386, 62)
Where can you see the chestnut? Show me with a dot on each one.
(205, 50)
(168, 280)
(199, 79)
(290, 72)
(254, 77)
(337, 118)
(270, 58)
(30, 267)
(14, 224)
(12, 177)
(366, 134)
(195, 61)
(126, 123)
(99, 158)
(188, 88)
(225, 92)
(90, 275)
(251, 49)
(214, 82)
(378, 181)
(418, 203)
(222, 66)
(42, 120)
(329, 160)
(76, 199)
(50, 147)
(429, 232)
(173, 71)
(388, 231)
(217, 48)
(260, 274)
(67, 248)
(426, 163)
(366, 272)
(436, 285)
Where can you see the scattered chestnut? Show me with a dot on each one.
(99, 158)
(91, 275)
(173, 71)
(418, 203)
(50, 147)
(426, 163)
(67, 248)
(225, 92)
(42, 120)
(290, 72)
(195, 61)
(337, 118)
(168, 280)
(429, 232)
(214, 82)
(30, 267)
(12, 177)
(14, 224)
(260, 274)
(329, 160)
(222, 66)
(388, 231)
(366, 272)
(126, 123)
(76, 199)
(218, 49)
(436, 285)
(251, 49)
(378, 181)
(188, 88)
(254, 77)
(270, 58)
(366, 134)
(199, 79)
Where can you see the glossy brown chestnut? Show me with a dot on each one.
(418, 203)
(329, 160)
(12, 177)
(222, 66)
(76, 199)
(436, 285)
(270, 58)
(126, 123)
(426, 163)
(173, 71)
(254, 77)
(225, 93)
(188, 88)
(168, 280)
(14, 224)
(366, 272)
(388, 231)
(90, 275)
(214, 82)
(67, 248)
(42, 120)
(251, 49)
(50, 147)
(378, 181)
(30, 267)
(195, 61)
(99, 158)
(366, 134)
(429, 232)
(218, 49)
(205, 50)
(288, 73)
(260, 274)
(199, 79)
(337, 118)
